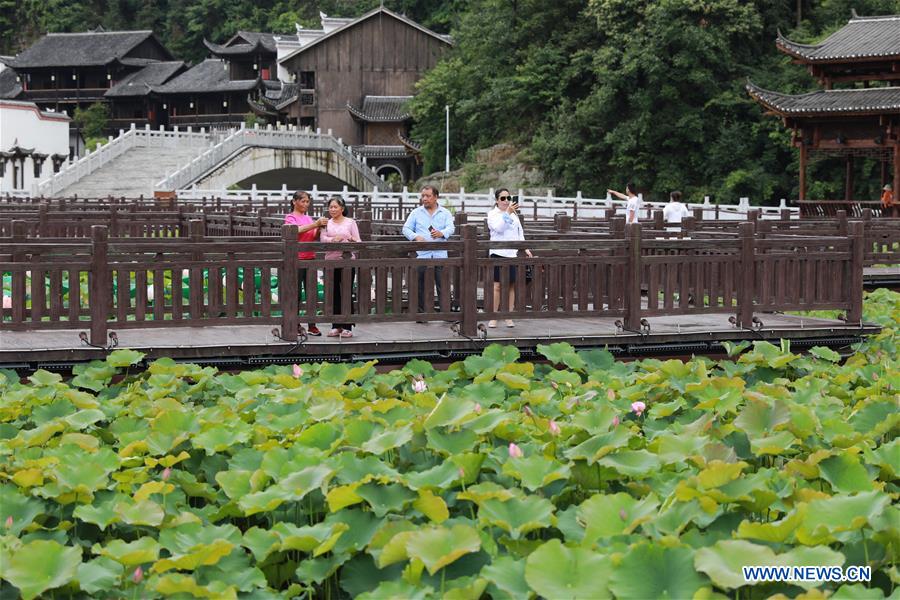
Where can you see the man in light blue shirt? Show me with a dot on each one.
(430, 222)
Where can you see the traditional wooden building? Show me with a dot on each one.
(355, 78)
(852, 122)
(249, 54)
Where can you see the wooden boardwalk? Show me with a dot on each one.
(239, 345)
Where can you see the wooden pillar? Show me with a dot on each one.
(896, 172)
(857, 249)
(802, 170)
(469, 297)
(287, 284)
(99, 284)
(633, 277)
(745, 291)
(848, 179)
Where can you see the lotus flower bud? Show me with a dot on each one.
(638, 407)
(622, 514)
(298, 372)
(615, 421)
(554, 428)
(166, 473)
(419, 386)
(611, 395)
(138, 575)
(9, 522)
(477, 408)
(527, 410)
(515, 451)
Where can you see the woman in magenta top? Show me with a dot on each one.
(339, 229)
(307, 231)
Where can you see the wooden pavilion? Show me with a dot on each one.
(856, 122)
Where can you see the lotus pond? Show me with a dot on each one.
(580, 477)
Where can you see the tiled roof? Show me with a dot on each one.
(140, 82)
(382, 109)
(860, 38)
(829, 102)
(210, 75)
(278, 94)
(244, 42)
(9, 87)
(79, 49)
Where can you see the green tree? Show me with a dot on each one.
(92, 123)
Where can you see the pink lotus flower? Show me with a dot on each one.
(611, 395)
(638, 407)
(515, 451)
(138, 575)
(622, 514)
(298, 372)
(615, 421)
(419, 386)
(527, 410)
(477, 409)
(166, 473)
(554, 428)
(9, 522)
(462, 473)
(7, 301)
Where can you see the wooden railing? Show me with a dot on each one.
(102, 283)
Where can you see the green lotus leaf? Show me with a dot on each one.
(235, 483)
(597, 420)
(557, 571)
(221, 437)
(507, 574)
(234, 570)
(199, 555)
(450, 411)
(723, 560)
(53, 410)
(839, 513)
(394, 550)
(264, 501)
(184, 538)
(308, 538)
(261, 542)
(768, 354)
(488, 490)
(140, 551)
(432, 506)
(598, 446)
(38, 436)
(81, 471)
(719, 473)
(437, 547)
(350, 468)
(468, 465)
(318, 570)
(886, 456)
(41, 565)
(845, 473)
(759, 418)
(19, 508)
(494, 356)
(306, 480)
(857, 591)
(772, 444)
(675, 517)
(385, 498)
(825, 353)
(564, 378)
(176, 584)
(802, 556)
(361, 527)
(674, 448)
(876, 418)
(343, 496)
(99, 574)
(633, 463)
(464, 588)
(102, 512)
(333, 374)
(486, 394)
(778, 531)
(455, 442)
(145, 512)
(673, 574)
(439, 477)
(562, 353)
(326, 408)
(388, 439)
(518, 516)
(84, 418)
(124, 357)
(44, 378)
(360, 574)
(606, 515)
(535, 471)
(398, 590)
(513, 381)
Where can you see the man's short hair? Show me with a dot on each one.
(433, 189)
(675, 196)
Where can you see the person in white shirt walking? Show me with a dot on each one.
(675, 211)
(504, 225)
(633, 202)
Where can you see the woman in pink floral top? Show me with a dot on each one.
(307, 231)
(339, 229)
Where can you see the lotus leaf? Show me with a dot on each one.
(840, 513)
(199, 555)
(556, 571)
(508, 576)
(562, 354)
(124, 358)
(174, 584)
(17, 510)
(144, 512)
(439, 546)
(387, 440)
(398, 590)
(221, 437)
(385, 498)
(343, 496)
(845, 474)
(518, 516)
(261, 542)
(319, 569)
(99, 574)
(535, 471)
(458, 441)
(605, 515)
(723, 560)
(432, 506)
(486, 394)
(40, 565)
(360, 574)
(140, 551)
(598, 446)
(632, 463)
(450, 411)
(672, 569)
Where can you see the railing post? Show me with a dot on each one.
(842, 223)
(42, 221)
(745, 291)
(658, 221)
(288, 292)
(364, 224)
(195, 275)
(18, 277)
(633, 277)
(857, 256)
(469, 281)
(100, 292)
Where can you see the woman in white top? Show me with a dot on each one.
(633, 205)
(504, 225)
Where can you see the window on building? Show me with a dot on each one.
(307, 80)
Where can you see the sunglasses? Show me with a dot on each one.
(504, 197)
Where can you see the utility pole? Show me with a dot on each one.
(447, 154)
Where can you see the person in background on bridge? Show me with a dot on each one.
(633, 205)
(339, 229)
(504, 225)
(307, 231)
(675, 211)
(430, 222)
(888, 206)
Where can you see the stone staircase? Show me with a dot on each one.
(133, 173)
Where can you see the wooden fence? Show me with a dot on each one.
(102, 283)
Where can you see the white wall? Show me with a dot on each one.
(24, 124)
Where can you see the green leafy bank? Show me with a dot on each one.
(583, 477)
